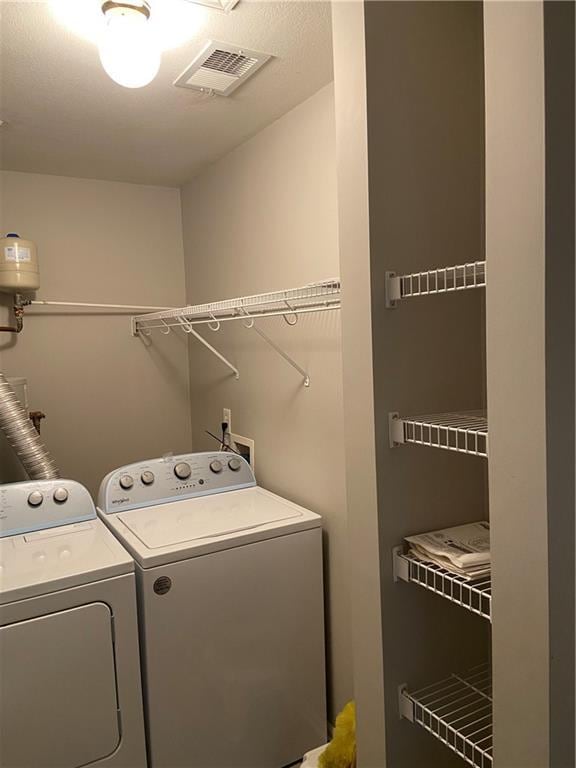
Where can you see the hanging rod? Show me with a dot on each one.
(126, 307)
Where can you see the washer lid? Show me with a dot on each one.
(192, 527)
(223, 514)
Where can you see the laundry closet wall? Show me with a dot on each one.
(263, 218)
(109, 399)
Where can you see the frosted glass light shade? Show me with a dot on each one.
(129, 52)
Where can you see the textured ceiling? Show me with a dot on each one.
(65, 116)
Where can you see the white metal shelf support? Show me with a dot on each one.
(143, 335)
(459, 277)
(289, 360)
(202, 340)
(474, 596)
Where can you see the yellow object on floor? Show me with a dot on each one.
(341, 752)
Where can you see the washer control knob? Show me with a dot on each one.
(60, 495)
(235, 465)
(35, 499)
(147, 477)
(182, 471)
(216, 466)
(126, 482)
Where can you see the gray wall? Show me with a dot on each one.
(426, 182)
(264, 218)
(515, 317)
(109, 398)
(559, 68)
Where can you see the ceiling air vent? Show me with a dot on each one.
(221, 68)
(217, 5)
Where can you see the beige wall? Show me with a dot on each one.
(516, 334)
(348, 33)
(109, 398)
(264, 218)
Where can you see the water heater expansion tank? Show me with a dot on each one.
(18, 265)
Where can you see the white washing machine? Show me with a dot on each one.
(230, 603)
(70, 689)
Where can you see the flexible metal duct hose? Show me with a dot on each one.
(22, 436)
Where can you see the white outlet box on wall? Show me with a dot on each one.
(245, 446)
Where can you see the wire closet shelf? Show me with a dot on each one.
(460, 277)
(317, 297)
(458, 712)
(288, 304)
(474, 596)
(464, 432)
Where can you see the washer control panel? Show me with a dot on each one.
(38, 504)
(173, 478)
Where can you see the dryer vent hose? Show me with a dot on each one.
(22, 436)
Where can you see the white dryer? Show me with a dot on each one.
(70, 690)
(231, 612)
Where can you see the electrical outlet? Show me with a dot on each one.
(227, 417)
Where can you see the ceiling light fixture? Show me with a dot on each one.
(129, 50)
(174, 22)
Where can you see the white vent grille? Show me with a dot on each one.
(231, 63)
(221, 68)
(217, 5)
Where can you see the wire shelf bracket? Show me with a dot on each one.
(464, 432)
(280, 351)
(474, 596)
(214, 351)
(459, 277)
(144, 335)
(405, 704)
(457, 711)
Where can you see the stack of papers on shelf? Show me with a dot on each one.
(464, 550)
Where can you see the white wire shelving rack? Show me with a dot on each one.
(289, 304)
(475, 596)
(460, 277)
(464, 432)
(457, 711)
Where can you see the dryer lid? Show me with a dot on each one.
(220, 516)
(69, 556)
